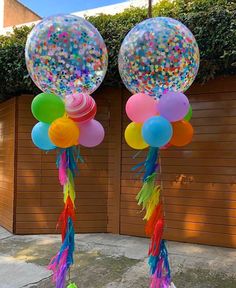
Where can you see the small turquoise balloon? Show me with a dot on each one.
(157, 131)
(40, 136)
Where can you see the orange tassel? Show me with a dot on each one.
(150, 225)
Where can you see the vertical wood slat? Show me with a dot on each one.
(7, 161)
(115, 98)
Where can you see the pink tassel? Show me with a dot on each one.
(63, 169)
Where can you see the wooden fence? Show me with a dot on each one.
(199, 180)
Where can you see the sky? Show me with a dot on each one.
(49, 7)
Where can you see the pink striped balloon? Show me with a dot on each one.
(80, 107)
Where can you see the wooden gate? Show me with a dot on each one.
(199, 180)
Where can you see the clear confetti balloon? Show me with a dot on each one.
(159, 54)
(65, 54)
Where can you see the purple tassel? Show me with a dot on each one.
(58, 265)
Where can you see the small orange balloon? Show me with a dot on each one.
(182, 133)
(63, 132)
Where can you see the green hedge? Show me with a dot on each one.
(213, 22)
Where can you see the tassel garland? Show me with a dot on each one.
(149, 198)
(61, 263)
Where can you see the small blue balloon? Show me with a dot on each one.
(157, 131)
(40, 136)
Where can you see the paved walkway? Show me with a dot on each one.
(112, 261)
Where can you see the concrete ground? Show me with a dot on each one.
(112, 261)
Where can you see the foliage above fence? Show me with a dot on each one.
(213, 22)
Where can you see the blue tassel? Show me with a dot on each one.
(72, 157)
(165, 256)
(151, 162)
(69, 243)
(72, 160)
(153, 262)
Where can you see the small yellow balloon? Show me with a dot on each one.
(133, 136)
(63, 132)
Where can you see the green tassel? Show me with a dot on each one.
(147, 189)
(72, 285)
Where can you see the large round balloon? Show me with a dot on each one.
(157, 131)
(133, 136)
(40, 136)
(182, 133)
(63, 132)
(47, 107)
(91, 133)
(80, 107)
(140, 107)
(66, 54)
(173, 106)
(158, 54)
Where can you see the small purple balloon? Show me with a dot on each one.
(91, 133)
(173, 106)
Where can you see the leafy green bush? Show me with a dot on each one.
(213, 22)
(14, 78)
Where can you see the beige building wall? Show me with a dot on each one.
(15, 13)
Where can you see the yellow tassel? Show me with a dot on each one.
(152, 202)
(69, 188)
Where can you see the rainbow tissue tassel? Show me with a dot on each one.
(149, 198)
(61, 263)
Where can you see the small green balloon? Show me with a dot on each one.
(188, 116)
(72, 285)
(47, 107)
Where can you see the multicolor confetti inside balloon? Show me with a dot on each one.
(158, 54)
(65, 54)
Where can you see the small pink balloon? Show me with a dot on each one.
(140, 107)
(91, 133)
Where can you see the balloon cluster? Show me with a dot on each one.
(65, 123)
(67, 59)
(158, 123)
